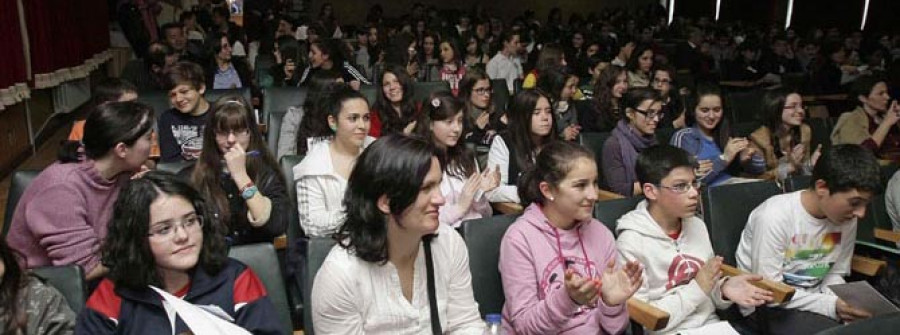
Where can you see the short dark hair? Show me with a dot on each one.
(633, 97)
(394, 166)
(552, 165)
(847, 167)
(113, 123)
(126, 249)
(863, 86)
(184, 73)
(170, 25)
(656, 162)
(111, 90)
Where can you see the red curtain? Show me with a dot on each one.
(65, 33)
(12, 68)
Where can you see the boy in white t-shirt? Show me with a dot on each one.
(805, 239)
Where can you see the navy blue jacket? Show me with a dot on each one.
(235, 289)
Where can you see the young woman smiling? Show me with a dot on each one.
(633, 134)
(463, 185)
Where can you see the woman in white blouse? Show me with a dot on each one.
(321, 176)
(530, 128)
(376, 280)
(463, 185)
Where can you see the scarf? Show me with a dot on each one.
(630, 144)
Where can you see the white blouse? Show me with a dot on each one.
(352, 296)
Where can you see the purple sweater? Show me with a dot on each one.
(62, 217)
(536, 298)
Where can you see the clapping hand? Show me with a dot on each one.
(584, 291)
(619, 285)
(741, 290)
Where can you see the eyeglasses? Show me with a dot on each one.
(650, 114)
(483, 91)
(166, 230)
(682, 187)
(795, 108)
(242, 132)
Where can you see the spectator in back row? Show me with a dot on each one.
(805, 239)
(483, 119)
(165, 244)
(608, 94)
(110, 90)
(530, 129)
(872, 123)
(395, 268)
(338, 134)
(561, 86)
(238, 175)
(181, 127)
(783, 139)
(683, 275)
(326, 54)
(639, 66)
(558, 265)
(394, 110)
(505, 65)
(709, 140)
(296, 130)
(633, 134)
(62, 216)
(463, 184)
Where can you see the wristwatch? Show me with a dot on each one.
(249, 191)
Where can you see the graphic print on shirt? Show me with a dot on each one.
(553, 276)
(809, 258)
(189, 139)
(682, 269)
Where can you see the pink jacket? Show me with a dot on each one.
(532, 273)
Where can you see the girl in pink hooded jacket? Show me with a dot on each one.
(558, 265)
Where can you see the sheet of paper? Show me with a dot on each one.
(718, 328)
(862, 295)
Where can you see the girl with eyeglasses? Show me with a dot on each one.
(482, 119)
(559, 266)
(633, 134)
(709, 139)
(663, 81)
(164, 235)
(239, 176)
(784, 139)
(463, 184)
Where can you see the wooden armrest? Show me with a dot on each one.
(887, 235)
(646, 315)
(781, 292)
(508, 207)
(885, 162)
(867, 266)
(263, 128)
(608, 195)
(280, 242)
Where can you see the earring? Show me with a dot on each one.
(551, 198)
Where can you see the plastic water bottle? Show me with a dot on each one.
(493, 324)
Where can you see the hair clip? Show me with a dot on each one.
(436, 102)
(235, 102)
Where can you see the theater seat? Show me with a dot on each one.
(213, 95)
(158, 100)
(263, 260)
(276, 101)
(18, 184)
(874, 326)
(594, 142)
(608, 212)
(500, 96)
(316, 251)
(796, 183)
(726, 209)
(483, 238)
(422, 90)
(69, 280)
(295, 239)
(370, 92)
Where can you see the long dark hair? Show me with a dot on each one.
(723, 131)
(126, 249)
(393, 166)
(107, 125)
(322, 84)
(466, 85)
(458, 160)
(549, 58)
(332, 48)
(633, 64)
(11, 285)
(229, 113)
(608, 108)
(552, 165)
(521, 111)
(773, 109)
(390, 121)
(552, 81)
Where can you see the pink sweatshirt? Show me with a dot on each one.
(62, 217)
(532, 273)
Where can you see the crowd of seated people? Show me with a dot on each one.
(388, 179)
